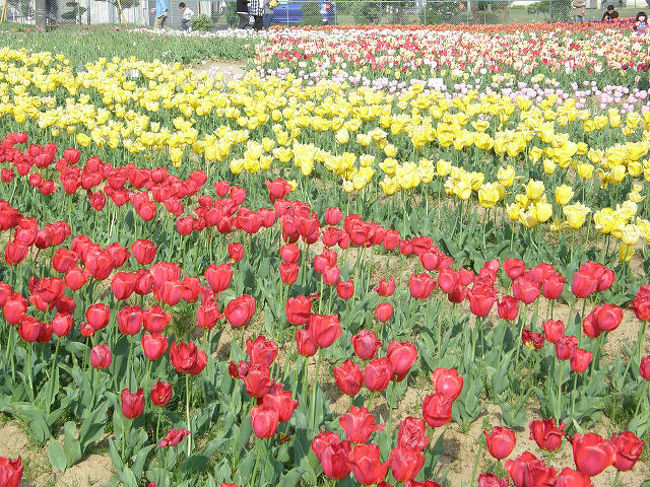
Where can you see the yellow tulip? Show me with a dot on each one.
(506, 176)
(576, 214)
(563, 194)
(488, 195)
(625, 253)
(534, 189)
(443, 168)
(513, 211)
(585, 170)
(543, 211)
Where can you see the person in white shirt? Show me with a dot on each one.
(187, 16)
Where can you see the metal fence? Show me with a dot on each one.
(221, 14)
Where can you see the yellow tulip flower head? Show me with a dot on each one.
(563, 194)
(506, 176)
(576, 214)
(534, 189)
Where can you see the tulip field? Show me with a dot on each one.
(390, 256)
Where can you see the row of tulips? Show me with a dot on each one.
(262, 379)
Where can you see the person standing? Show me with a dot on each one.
(256, 9)
(161, 11)
(242, 11)
(578, 7)
(187, 16)
(269, 5)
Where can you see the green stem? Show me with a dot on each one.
(644, 393)
(478, 457)
(559, 392)
(29, 369)
(158, 423)
(618, 472)
(187, 414)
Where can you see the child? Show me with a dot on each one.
(187, 16)
(641, 23)
(610, 14)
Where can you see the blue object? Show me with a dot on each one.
(291, 13)
(161, 8)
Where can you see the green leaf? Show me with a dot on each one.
(56, 456)
(292, 478)
(71, 445)
(34, 418)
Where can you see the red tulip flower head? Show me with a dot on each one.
(365, 344)
(447, 382)
(405, 463)
(641, 303)
(161, 393)
(366, 466)
(436, 409)
(173, 438)
(359, 424)
(239, 311)
(144, 251)
(11, 472)
(547, 436)
(325, 329)
(402, 356)
(592, 453)
(101, 356)
(628, 450)
(413, 434)
(349, 378)
(298, 310)
(132, 404)
(264, 420)
(491, 480)
(187, 359)
(377, 374)
(500, 442)
(526, 471)
(571, 478)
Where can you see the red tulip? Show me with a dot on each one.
(436, 409)
(592, 453)
(14, 309)
(421, 285)
(123, 284)
(218, 277)
(532, 340)
(62, 324)
(491, 480)
(644, 367)
(547, 436)
(289, 253)
(239, 311)
(349, 378)
(144, 251)
(161, 393)
(261, 351)
(553, 286)
(554, 330)
(481, 300)
(264, 420)
(282, 402)
(331, 275)
(386, 288)
(580, 360)
(101, 356)
(333, 216)
(527, 471)
(584, 284)
(132, 404)
(525, 290)
(628, 450)
(173, 438)
(305, 343)
(97, 316)
(641, 303)
(447, 382)
(155, 319)
(130, 320)
(402, 356)
(359, 424)
(603, 318)
(325, 329)
(207, 315)
(384, 312)
(366, 344)
(186, 358)
(75, 278)
(63, 259)
(378, 374)
(500, 442)
(321, 441)
(345, 289)
(508, 308)
(15, 252)
(365, 463)
(565, 347)
(258, 381)
(11, 472)
(570, 478)
(334, 460)
(298, 310)
(154, 345)
(405, 463)
(413, 434)
(235, 251)
(514, 268)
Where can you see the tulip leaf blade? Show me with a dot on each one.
(292, 478)
(56, 455)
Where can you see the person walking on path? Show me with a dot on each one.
(161, 11)
(578, 7)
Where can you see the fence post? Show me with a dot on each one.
(550, 11)
(41, 14)
(336, 13)
(425, 12)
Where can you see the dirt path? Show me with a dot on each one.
(95, 470)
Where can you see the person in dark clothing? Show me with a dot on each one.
(256, 9)
(242, 11)
(610, 14)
